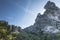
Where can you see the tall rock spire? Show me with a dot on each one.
(48, 21)
(50, 5)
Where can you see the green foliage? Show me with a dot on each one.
(5, 34)
(27, 36)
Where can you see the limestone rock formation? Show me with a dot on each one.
(49, 21)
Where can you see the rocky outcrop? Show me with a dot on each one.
(48, 22)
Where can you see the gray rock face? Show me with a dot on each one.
(50, 5)
(49, 21)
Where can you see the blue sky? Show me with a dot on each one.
(22, 12)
